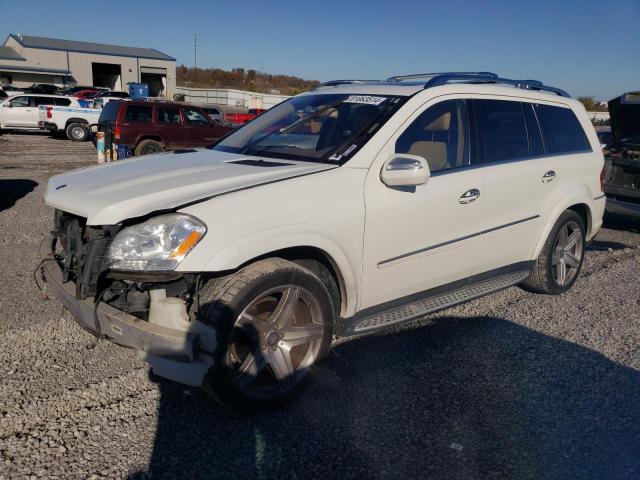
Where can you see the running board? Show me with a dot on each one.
(437, 300)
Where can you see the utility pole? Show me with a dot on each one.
(195, 50)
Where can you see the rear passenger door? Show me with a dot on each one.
(169, 125)
(137, 124)
(520, 181)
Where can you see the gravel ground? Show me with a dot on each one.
(513, 385)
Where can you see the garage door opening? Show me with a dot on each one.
(107, 75)
(157, 80)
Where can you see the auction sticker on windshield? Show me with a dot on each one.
(368, 99)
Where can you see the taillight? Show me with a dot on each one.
(49, 114)
(602, 179)
(116, 132)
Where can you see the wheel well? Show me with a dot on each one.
(583, 210)
(75, 120)
(150, 137)
(315, 260)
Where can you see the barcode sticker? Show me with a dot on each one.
(366, 99)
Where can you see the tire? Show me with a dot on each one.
(77, 132)
(563, 250)
(148, 147)
(274, 320)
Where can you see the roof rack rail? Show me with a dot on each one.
(478, 77)
(399, 78)
(335, 83)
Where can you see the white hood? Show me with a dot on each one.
(109, 193)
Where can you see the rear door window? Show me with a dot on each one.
(502, 130)
(110, 112)
(562, 130)
(138, 114)
(62, 102)
(169, 115)
(44, 101)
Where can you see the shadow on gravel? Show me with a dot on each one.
(12, 190)
(605, 245)
(461, 398)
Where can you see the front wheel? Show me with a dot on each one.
(557, 267)
(274, 321)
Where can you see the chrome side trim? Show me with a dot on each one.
(449, 242)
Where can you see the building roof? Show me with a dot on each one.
(8, 53)
(45, 71)
(45, 43)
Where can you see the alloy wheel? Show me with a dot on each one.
(567, 253)
(274, 341)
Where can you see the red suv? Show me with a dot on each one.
(153, 126)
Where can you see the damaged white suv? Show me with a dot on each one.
(341, 211)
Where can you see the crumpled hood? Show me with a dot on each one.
(110, 193)
(624, 112)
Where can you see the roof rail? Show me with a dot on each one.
(335, 83)
(445, 78)
(399, 78)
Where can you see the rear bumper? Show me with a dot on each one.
(626, 209)
(171, 353)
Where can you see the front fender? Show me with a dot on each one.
(243, 250)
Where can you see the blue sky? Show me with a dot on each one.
(584, 46)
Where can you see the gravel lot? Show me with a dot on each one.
(509, 386)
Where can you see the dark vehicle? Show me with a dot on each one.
(43, 88)
(3, 94)
(153, 126)
(622, 157)
(604, 135)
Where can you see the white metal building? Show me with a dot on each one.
(26, 59)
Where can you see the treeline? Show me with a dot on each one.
(242, 79)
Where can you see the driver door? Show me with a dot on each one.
(422, 237)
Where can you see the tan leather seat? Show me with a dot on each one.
(434, 152)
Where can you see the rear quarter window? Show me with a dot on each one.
(109, 112)
(138, 113)
(562, 130)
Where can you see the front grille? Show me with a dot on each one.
(82, 250)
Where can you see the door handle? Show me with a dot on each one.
(469, 196)
(549, 176)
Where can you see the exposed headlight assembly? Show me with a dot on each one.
(159, 244)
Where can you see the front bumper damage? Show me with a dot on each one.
(176, 354)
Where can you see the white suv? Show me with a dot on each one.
(341, 211)
(21, 111)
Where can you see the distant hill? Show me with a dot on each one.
(242, 79)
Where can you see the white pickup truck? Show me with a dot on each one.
(74, 121)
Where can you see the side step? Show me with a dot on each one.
(433, 302)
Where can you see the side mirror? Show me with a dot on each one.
(405, 170)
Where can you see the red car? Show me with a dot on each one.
(82, 94)
(153, 126)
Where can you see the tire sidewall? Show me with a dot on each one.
(148, 147)
(218, 380)
(563, 220)
(73, 126)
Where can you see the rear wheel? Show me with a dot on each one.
(77, 132)
(148, 147)
(557, 267)
(274, 322)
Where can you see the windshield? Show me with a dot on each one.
(318, 128)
